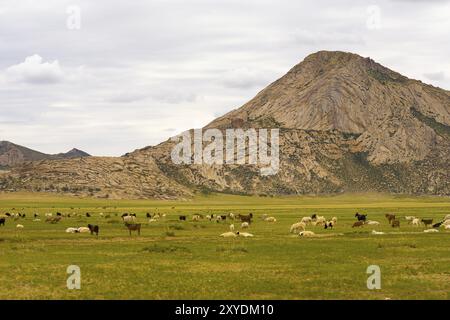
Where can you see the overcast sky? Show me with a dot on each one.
(134, 73)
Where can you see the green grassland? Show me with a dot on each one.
(188, 260)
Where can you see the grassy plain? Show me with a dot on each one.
(188, 260)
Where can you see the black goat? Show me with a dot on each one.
(361, 217)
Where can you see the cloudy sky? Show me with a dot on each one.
(111, 76)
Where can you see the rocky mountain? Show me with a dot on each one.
(346, 124)
(12, 154)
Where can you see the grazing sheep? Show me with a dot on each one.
(427, 222)
(395, 224)
(334, 219)
(48, 214)
(430, 230)
(19, 226)
(298, 227)
(409, 218)
(306, 220)
(128, 219)
(447, 227)
(320, 221)
(231, 215)
(329, 225)
(361, 217)
(358, 224)
(2, 221)
(244, 234)
(306, 234)
(270, 219)
(133, 227)
(229, 235)
(377, 232)
(264, 216)
(83, 230)
(231, 227)
(72, 230)
(372, 223)
(314, 216)
(416, 222)
(244, 225)
(208, 217)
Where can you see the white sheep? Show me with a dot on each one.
(244, 234)
(410, 218)
(71, 230)
(196, 217)
(128, 219)
(446, 222)
(231, 227)
(298, 227)
(334, 219)
(430, 230)
(447, 217)
(373, 223)
(231, 215)
(19, 226)
(377, 232)
(306, 220)
(36, 220)
(416, 222)
(244, 225)
(152, 220)
(208, 217)
(229, 235)
(270, 219)
(447, 227)
(83, 230)
(306, 234)
(48, 214)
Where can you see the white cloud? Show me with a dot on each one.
(34, 70)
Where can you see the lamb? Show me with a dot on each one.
(244, 234)
(298, 227)
(306, 234)
(430, 230)
(229, 235)
(270, 219)
(245, 225)
(377, 232)
(372, 223)
(232, 227)
(358, 224)
(416, 222)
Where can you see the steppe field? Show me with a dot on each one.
(175, 259)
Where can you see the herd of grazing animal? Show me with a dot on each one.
(233, 221)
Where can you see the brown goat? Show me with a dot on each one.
(134, 227)
(395, 223)
(358, 224)
(246, 218)
(390, 217)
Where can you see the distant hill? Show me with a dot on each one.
(12, 154)
(347, 124)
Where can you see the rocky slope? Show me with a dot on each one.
(346, 124)
(12, 154)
